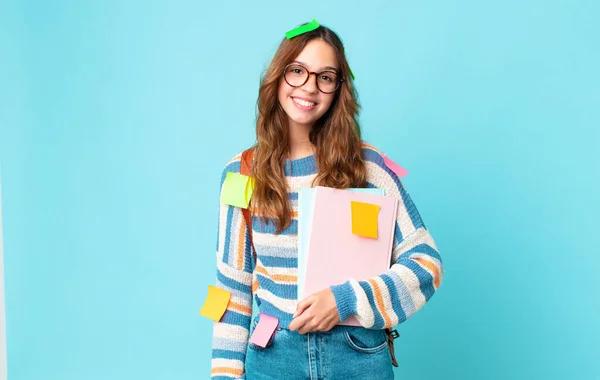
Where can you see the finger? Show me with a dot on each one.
(307, 321)
(308, 327)
(324, 325)
(311, 325)
(299, 322)
(294, 325)
(303, 329)
(303, 305)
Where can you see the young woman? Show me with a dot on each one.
(308, 135)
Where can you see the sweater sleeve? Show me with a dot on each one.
(234, 274)
(414, 276)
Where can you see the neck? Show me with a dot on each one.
(299, 142)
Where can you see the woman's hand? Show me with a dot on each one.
(317, 312)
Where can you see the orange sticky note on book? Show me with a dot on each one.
(237, 190)
(364, 219)
(216, 303)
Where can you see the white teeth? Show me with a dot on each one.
(304, 102)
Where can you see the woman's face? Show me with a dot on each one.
(305, 104)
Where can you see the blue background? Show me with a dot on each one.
(118, 117)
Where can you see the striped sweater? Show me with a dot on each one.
(379, 302)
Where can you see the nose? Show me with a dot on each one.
(311, 85)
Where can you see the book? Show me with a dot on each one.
(330, 251)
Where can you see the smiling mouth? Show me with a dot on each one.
(304, 103)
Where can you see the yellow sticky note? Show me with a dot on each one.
(216, 303)
(364, 219)
(237, 190)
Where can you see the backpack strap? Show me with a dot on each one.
(392, 334)
(245, 165)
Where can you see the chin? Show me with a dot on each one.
(303, 122)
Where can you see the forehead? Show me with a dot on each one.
(318, 54)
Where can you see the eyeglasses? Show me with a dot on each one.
(297, 75)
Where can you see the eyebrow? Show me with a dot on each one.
(321, 69)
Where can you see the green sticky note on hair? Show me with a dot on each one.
(302, 29)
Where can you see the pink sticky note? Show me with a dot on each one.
(264, 330)
(399, 170)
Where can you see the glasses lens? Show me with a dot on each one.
(327, 81)
(295, 75)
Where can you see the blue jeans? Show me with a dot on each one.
(343, 353)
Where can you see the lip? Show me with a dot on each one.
(304, 108)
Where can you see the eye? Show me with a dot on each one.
(296, 70)
(327, 78)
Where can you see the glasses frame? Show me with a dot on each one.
(338, 82)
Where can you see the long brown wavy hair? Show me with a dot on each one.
(336, 135)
